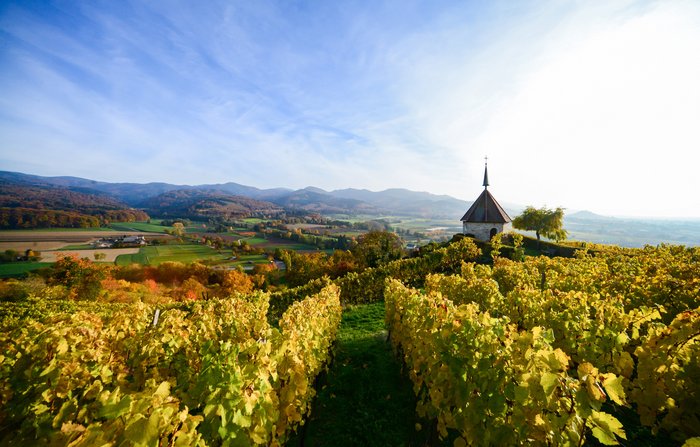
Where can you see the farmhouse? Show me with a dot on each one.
(122, 241)
(485, 218)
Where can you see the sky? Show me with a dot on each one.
(589, 105)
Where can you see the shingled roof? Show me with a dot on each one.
(486, 208)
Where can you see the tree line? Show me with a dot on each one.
(26, 218)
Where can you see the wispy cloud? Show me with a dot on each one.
(338, 94)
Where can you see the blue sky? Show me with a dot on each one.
(585, 105)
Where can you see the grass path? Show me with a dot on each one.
(364, 400)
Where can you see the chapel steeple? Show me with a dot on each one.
(486, 173)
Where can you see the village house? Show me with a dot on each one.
(122, 241)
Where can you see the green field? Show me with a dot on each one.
(154, 255)
(78, 247)
(296, 246)
(196, 227)
(138, 226)
(20, 268)
(254, 240)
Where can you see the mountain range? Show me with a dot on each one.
(160, 198)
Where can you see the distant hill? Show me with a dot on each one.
(316, 200)
(47, 206)
(396, 202)
(408, 203)
(129, 193)
(587, 215)
(204, 204)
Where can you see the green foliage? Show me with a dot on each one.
(496, 245)
(178, 229)
(206, 373)
(627, 320)
(378, 247)
(81, 278)
(518, 249)
(543, 221)
(668, 372)
(367, 286)
(492, 383)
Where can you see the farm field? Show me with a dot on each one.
(111, 254)
(156, 227)
(20, 268)
(138, 226)
(34, 245)
(63, 236)
(154, 255)
(53, 243)
(272, 243)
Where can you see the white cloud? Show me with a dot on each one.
(584, 105)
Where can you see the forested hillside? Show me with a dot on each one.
(24, 206)
(205, 204)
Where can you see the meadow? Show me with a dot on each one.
(154, 255)
(20, 268)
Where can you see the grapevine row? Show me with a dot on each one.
(638, 320)
(209, 373)
(492, 383)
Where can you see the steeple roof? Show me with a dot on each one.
(486, 208)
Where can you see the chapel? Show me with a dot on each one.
(485, 218)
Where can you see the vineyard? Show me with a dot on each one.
(204, 373)
(547, 351)
(601, 348)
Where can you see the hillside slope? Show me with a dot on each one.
(46, 206)
(204, 204)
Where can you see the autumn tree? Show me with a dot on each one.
(303, 267)
(178, 229)
(236, 281)
(543, 221)
(81, 277)
(341, 263)
(378, 247)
